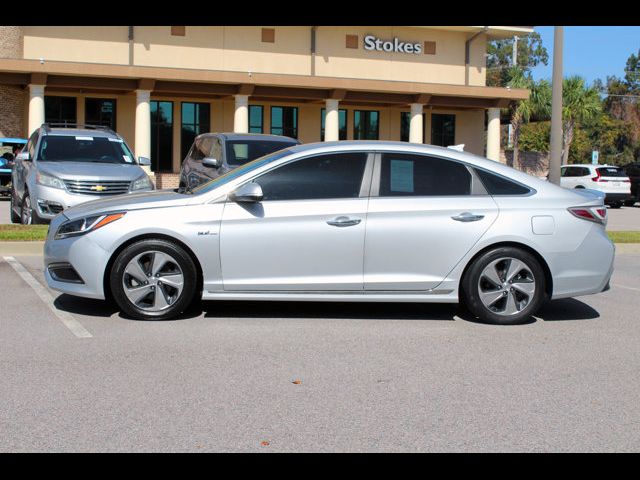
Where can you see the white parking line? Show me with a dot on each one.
(71, 323)
(624, 286)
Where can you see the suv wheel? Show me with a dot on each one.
(505, 286)
(153, 280)
(15, 218)
(28, 215)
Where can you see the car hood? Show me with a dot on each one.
(91, 170)
(130, 201)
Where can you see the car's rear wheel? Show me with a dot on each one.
(505, 286)
(616, 205)
(153, 280)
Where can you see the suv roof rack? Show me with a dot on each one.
(48, 126)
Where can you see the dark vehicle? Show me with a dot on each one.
(214, 154)
(633, 172)
(7, 160)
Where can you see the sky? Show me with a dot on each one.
(591, 52)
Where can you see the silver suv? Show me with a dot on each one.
(62, 166)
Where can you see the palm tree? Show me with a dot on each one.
(537, 105)
(579, 104)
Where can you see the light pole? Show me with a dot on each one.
(555, 156)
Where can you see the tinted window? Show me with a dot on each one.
(497, 185)
(366, 124)
(420, 175)
(611, 172)
(59, 109)
(240, 152)
(100, 111)
(67, 148)
(319, 177)
(443, 129)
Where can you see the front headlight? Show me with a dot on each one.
(49, 180)
(142, 183)
(84, 225)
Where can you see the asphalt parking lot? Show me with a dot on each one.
(274, 377)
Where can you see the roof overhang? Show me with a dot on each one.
(122, 79)
(493, 32)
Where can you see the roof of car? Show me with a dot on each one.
(251, 136)
(72, 131)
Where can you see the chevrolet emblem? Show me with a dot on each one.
(98, 188)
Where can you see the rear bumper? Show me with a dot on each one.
(617, 197)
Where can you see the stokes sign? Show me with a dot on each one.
(372, 42)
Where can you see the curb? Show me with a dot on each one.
(36, 248)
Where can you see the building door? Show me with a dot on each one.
(100, 111)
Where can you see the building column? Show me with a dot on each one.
(331, 120)
(241, 115)
(143, 126)
(416, 128)
(493, 135)
(36, 107)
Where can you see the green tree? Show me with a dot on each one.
(537, 105)
(531, 52)
(580, 104)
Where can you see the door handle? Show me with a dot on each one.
(467, 217)
(344, 221)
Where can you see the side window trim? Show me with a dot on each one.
(477, 187)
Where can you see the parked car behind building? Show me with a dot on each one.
(214, 154)
(62, 166)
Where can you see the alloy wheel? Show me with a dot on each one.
(26, 211)
(506, 286)
(153, 281)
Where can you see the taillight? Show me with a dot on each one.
(593, 214)
(598, 178)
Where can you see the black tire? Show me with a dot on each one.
(15, 218)
(470, 286)
(32, 218)
(616, 205)
(630, 203)
(182, 259)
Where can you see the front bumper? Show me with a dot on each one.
(86, 257)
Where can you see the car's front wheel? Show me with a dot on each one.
(505, 285)
(153, 279)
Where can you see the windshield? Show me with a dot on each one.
(68, 148)
(240, 152)
(247, 167)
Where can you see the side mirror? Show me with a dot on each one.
(144, 161)
(211, 162)
(24, 156)
(249, 192)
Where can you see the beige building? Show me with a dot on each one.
(160, 86)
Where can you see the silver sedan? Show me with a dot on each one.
(356, 221)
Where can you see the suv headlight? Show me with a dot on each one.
(84, 225)
(142, 183)
(49, 180)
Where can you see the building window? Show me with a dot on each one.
(443, 129)
(284, 121)
(405, 125)
(342, 120)
(268, 35)
(161, 136)
(195, 120)
(365, 125)
(256, 119)
(100, 111)
(60, 109)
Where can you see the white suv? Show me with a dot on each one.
(608, 179)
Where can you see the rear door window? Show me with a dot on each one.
(405, 174)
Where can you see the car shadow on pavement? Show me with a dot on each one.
(567, 309)
(314, 310)
(85, 306)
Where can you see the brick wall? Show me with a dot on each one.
(11, 111)
(166, 180)
(11, 42)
